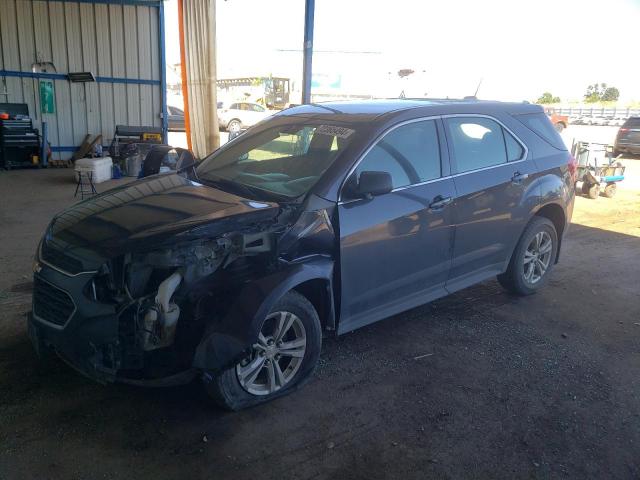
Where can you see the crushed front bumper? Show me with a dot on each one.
(92, 337)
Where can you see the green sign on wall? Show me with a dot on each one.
(47, 97)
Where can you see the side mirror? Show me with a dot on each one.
(372, 183)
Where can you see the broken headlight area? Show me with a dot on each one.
(166, 297)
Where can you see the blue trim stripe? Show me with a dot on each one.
(67, 148)
(63, 149)
(62, 76)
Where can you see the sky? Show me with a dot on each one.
(518, 49)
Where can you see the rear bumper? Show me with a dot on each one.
(632, 148)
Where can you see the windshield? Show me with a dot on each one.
(285, 161)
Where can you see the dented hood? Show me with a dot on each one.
(149, 212)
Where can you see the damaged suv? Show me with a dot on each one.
(317, 221)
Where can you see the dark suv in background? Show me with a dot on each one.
(628, 138)
(319, 220)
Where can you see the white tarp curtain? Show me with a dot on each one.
(199, 17)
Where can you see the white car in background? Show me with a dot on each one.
(236, 116)
(617, 121)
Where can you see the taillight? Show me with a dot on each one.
(573, 168)
(624, 130)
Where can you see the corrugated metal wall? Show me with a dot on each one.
(119, 44)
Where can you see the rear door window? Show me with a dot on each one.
(410, 154)
(477, 142)
(540, 124)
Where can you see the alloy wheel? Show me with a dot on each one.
(537, 257)
(276, 357)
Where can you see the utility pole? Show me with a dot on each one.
(307, 50)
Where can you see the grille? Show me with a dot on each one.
(59, 259)
(50, 303)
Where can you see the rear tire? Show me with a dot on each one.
(226, 387)
(559, 127)
(529, 268)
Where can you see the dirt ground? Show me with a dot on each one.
(477, 385)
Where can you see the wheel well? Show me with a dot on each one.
(555, 213)
(317, 292)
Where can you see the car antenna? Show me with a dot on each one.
(475, 95)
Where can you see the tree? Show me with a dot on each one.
(601, 93)
(547, 97)
(611, 94)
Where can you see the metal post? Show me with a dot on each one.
(163, 74)
(307, 50)
(43, 146)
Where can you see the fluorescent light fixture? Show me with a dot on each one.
(81, 77)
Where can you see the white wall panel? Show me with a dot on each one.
(155, 58)
(90, 64)
(10, 52)
(131, 63)
(113, 41)
(62, 87)
(144, 65)
(42, 35)
(26, 49)
(103, 49)
(74, 57)
(116, 24)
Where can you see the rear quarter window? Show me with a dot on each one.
(540, 124)
(633, 122)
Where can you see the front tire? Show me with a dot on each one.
(283, 358)
(559, 127)
(533, 258)
(234, 126)
(610, 190)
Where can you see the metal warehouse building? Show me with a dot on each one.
(120, 42)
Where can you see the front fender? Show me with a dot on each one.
(227, 340)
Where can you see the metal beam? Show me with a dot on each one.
(64, 76)
(307, 50)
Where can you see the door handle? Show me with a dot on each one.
(440, 202)
(519, 177)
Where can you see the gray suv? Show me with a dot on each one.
(318, 221)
